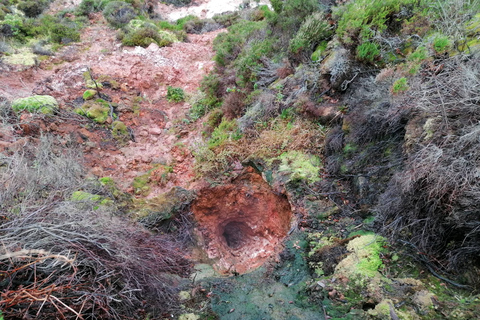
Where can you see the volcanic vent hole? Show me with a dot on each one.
(236, 234)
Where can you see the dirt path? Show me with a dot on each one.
(143, 76)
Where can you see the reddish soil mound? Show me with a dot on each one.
(241, 223)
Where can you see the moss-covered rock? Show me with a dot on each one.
(120, 131)
(89, 94)
(97, 110)
(299, 166)
(43, 104)
(152, 212)
(364, 258)
(140, 184)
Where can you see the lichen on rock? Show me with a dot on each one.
(39, 103)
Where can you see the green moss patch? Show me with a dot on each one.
(89, 94)
(98, 110)
(43, 104)
(152, 212)
(364, 258)
(300, 166)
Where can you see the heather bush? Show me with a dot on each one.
(360, 20)
(119, 13)
(430, 203)
(31, 8)
(313, 30)
(89, 6)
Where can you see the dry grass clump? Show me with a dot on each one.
(64, 259)
(433, 202)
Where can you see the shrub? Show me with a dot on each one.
(441, 43)
(368, 51)
(400, 85)
(293, 14)
(11, 25)
(178, 3)
(233, 104)
(225, 131)
(66, 253)
(89, 6)
(362, 19)
(229, 45)
(57, 30)
(431, 201)
(420, 54)
(313, 30)
(32, 8)
(146, 35)
(119, 13)
(175, 94)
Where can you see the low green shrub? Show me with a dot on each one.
(368, 51)
(32, 8)
(144, 36)
(361, 19)
(175, 94)
(229, 45)
(119, 13)
(56, 29)
(225, 131)
(420, 54)
(89, 6)
(11, 25)
(314, 29)
(293, 13)
(400, 85)
(441, 43)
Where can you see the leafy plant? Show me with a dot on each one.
(175, 94)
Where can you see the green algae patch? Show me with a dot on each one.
(36, 104)
(364, 259)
